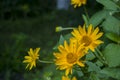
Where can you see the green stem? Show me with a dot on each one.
(68, 28)
(86, 12)
(100, 53)
(45, 61)
(99, 58)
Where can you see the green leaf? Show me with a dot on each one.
(108, 4)
(111, 24)
(98, 63)
(112, 55)
(85, 19)
(78, 72)
(113, 37)
(89, 56)
(62, 39)
(94, 76)
(67, 37)
(92, 67)
(112, 72)
(97, 18)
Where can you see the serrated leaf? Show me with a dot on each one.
(112, 55)
(111, 24)
(108, 4)
(98, 17)
(112, 72)
(113, 37)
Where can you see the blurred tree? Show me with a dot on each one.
(25, 8)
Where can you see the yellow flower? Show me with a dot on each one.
(89, 37)
(68, 56)
(67, 78)
(78, 2)
(31, 58)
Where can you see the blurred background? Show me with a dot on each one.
(28, 24)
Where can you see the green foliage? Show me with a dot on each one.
(90, 56)
(111, 72)
(7, 56)
(113, 37)
(92, 67)
(111, 24)
(109, 4)
(24, 8)
(112, 54)
(97, 18)
(94, 76)
(62, 39)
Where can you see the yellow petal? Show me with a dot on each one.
(66, 46)
(98, 35)
(95, 32)
(80, 64)
(36, 51)
(89, 29)
(57, 55)
(84, 30)
(67, 71)
(98, 42)
(62, 49)
(28, 57)
(26, 61)
(27, 66)
(74, 78)
(80, 30)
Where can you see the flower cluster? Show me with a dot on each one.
(71, 54)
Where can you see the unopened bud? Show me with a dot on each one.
(58, 29)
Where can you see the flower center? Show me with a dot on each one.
(71, 58)
(86, 40)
